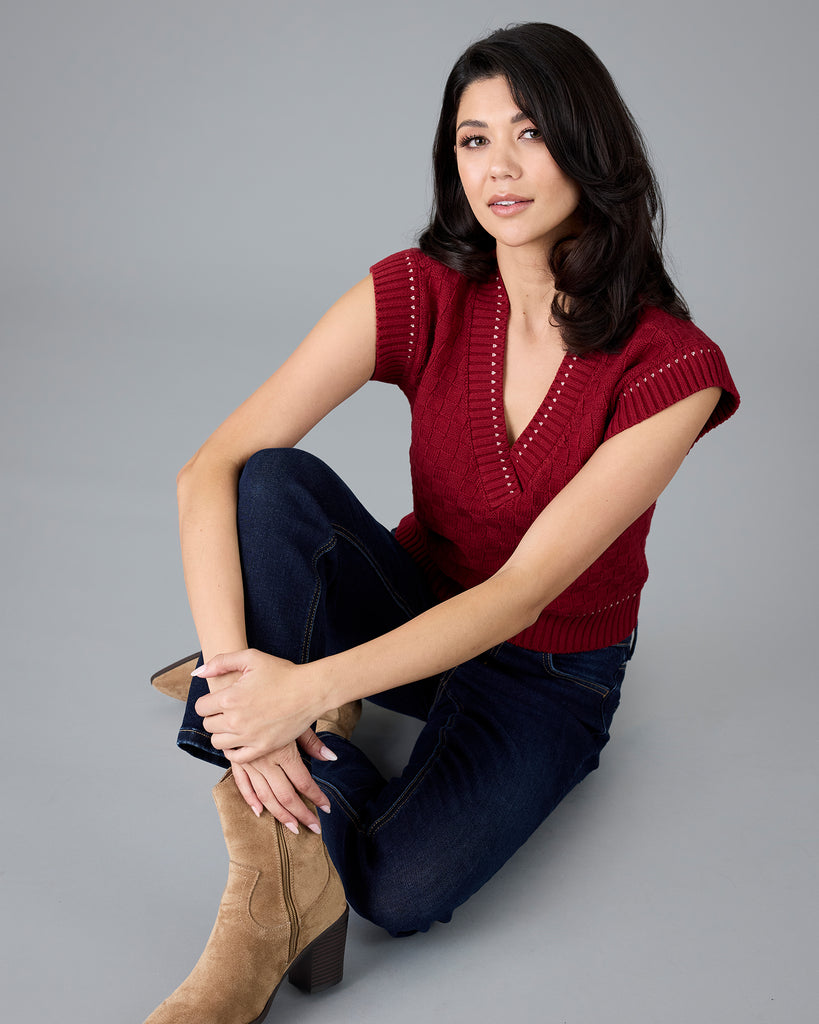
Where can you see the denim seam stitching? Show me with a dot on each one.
(357, 543)
(345, 806)
(198, 732)
(441, 687)
(307, 638)
(419, 776)
(351, 538)
(587, 684)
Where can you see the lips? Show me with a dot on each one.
(507, 205)
(507, 200)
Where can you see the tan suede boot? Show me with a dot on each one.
(283, 912)
(340, 721)
(175, 680)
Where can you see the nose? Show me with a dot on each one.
(503, 163)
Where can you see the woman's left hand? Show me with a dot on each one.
(265, 709)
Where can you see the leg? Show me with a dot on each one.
(320, 574)
(509, 735)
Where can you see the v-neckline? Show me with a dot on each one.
(505, 468)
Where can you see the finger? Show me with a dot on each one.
(220, 664)
(224, 726)
(231, 747)
(234, 751)
(304, 783)
(209, 704)
(269, 799)
(285, 793)
(245, 787)
(314, 747)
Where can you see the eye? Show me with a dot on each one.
(534, 134)
(472, 142)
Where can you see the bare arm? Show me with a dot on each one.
(621, 480)
(333, 361)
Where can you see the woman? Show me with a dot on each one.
(556, 383)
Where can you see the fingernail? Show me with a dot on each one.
(325, 808)
(257, 811)
(315, 828)
(294, 828)
(198, 671)
(328, 755)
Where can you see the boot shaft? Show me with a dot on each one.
(296, 878)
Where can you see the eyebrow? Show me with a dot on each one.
(520, 116)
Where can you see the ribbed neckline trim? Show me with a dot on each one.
(505, 469)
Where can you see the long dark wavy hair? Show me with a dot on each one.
(606, 274)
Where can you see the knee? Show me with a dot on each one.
(271, 469)
(278, 479)
(400, 906)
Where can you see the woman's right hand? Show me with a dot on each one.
(278, 781)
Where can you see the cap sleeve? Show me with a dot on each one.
(401, 311)
(678, 363)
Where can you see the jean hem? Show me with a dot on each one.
(198, 744)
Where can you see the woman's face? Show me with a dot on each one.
(514, 187)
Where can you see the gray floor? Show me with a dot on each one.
(157, 261)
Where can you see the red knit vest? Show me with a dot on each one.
(441, 339)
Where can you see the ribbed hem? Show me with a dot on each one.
(563, 635)
(557, 634)
(413, 540)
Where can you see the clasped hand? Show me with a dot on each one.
(256, 721)
(263, 709)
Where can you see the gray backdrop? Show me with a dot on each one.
(187, 185)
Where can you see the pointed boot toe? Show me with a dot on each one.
(175, 680)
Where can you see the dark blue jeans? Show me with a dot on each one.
(506, 735)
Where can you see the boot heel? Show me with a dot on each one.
(322, 963)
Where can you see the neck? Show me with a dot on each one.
(529, 285)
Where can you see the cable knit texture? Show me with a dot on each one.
(441, 339)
